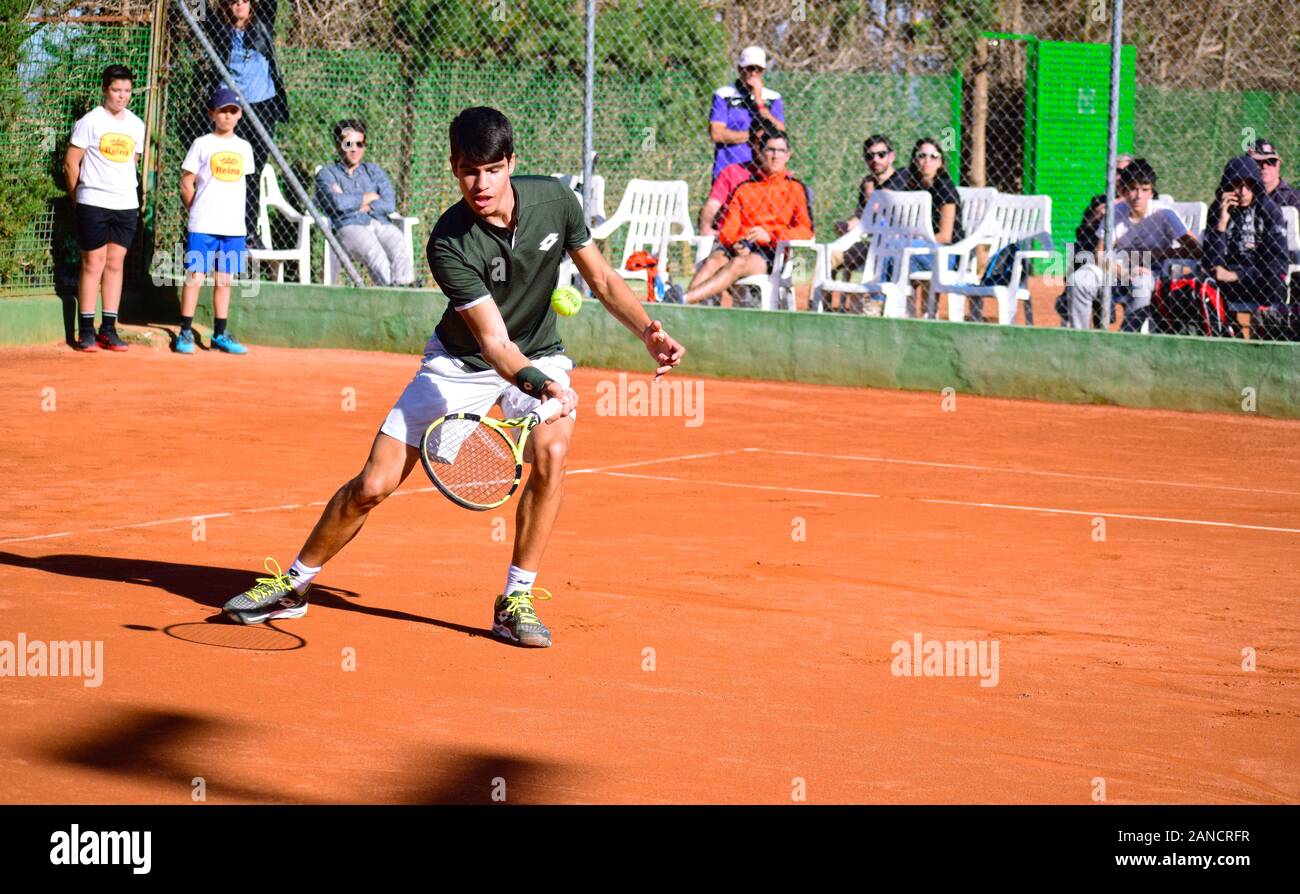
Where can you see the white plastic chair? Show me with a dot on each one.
(898, 228)
(655, 214)
(975, 203)
(1292, 218)
(269, 196)
(1193, 216)
(1011, 221)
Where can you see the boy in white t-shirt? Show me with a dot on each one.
(99, 170)
(213, 188)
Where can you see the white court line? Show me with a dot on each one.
(1157, 518)
(916, 462)
(289, 506)
(609, 470)
(1044, 509)
(793, 490)
(651, 462)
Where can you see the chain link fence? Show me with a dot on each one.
(53, 55)
(1015, 93)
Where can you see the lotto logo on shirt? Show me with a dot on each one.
(116, 146)
(227, 166)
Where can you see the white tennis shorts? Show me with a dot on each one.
(445, 385)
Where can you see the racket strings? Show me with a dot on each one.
(474, 461)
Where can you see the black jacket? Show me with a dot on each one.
(1268, 258)
(260, 35)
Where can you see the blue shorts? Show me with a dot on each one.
(224, 254)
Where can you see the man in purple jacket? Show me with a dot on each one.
(738, 106)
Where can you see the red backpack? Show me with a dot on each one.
(1187, 305)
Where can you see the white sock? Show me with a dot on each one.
(518, 579)
(302, 575)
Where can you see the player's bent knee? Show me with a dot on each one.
(550, 459)
(369, 489)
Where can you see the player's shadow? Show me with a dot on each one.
(206, 585)
(479, 777)
(159, 747)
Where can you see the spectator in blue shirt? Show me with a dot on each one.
(737, 107)
(243, 34)
(358, 197)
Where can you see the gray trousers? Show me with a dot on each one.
(382, 249)
(1084, 288)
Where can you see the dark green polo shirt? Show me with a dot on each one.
(473, 260)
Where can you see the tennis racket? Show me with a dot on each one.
(474, 460)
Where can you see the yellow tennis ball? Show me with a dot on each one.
(566, 300)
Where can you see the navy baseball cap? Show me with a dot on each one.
(222, 97)
(1262, 149)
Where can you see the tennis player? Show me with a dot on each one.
(496, 256)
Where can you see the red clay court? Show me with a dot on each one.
(1120, 659)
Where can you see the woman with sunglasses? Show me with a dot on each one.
(928, 172)
(243, 33)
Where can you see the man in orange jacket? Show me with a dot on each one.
(760, 213)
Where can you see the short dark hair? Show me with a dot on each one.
(873, 140)
(1136, 173)
(481, 135)
(774, 134)
(759, 130)
(348, 124)
(115, 73)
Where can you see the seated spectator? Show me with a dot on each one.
(928, 171)
(1245, 242)
(1270, 169)
(763, 211)
(1146, 233)
(357, 196)
(737, 108)
(732, 176)
(1085, 235)
(878, 152)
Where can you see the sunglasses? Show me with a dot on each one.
(1268, 162)
(884, 154)
(930, 155)
(353, 144)
(750, 69)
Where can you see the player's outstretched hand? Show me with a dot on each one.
(567, 395)
(666, 351)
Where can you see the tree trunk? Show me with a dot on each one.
(977, 173)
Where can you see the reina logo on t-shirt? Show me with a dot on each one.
(227, 166)
(116, 146)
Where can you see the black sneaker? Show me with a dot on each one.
(86, 341)
(109, 340)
